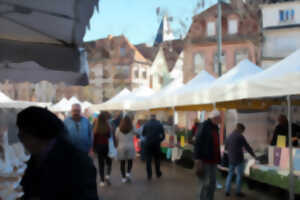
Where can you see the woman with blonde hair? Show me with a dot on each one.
(102, 133)
(125, 147)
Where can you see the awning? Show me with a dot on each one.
(49, 33)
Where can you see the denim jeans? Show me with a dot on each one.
(208, 182)
(239, 176)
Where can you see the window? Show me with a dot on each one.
(122, 51)
(136, 73)
(161, 80)
(211, 28)
(233, 26)
(223, 62)
(122, 72)
(286, 15)
(199, 62)
(241, 55)
(144, 74)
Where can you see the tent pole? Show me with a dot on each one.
(291, 173)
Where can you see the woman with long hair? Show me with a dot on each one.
(102, 133)
(125, 147)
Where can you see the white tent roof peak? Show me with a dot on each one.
(74, 100)
(143, 91)
(4, 98)
(290, 63)
(243, 69)
(202, 77)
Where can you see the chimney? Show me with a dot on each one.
(109, 37)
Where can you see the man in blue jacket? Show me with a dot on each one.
(154, 134)
(79, 129)
(207, 155)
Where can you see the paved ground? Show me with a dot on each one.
(177, 184)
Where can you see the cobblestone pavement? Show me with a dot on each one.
(177, 183)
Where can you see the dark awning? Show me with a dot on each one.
(48, 33)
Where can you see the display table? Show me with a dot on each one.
(274, 178)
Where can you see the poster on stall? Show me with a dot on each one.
(281, 141)
(277, 155)
(285, 158)
(182, 141)
(297, 160)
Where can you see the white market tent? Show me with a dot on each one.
(127, 101)
(211, 94)
(6, 102)
(85, 105)
(199, 83)
(60, 106)
(108, 104)
(281, 79)
(154, 100)
(65, 105)
(137, 95)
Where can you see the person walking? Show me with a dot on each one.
(56, 169)
(102, 133)
(125, 147)
(79, 129)
(235, 144)
(207, 155)
(154, 134)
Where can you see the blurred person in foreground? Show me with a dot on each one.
(56, 170)
(235, 145)
(208, 155)
(80, 129)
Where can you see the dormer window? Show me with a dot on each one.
(211, 28)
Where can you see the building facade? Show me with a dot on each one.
(116, 64)
(241, 39)
(281, 30)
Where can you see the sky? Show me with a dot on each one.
(138, 19)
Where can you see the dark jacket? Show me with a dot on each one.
(235, 145)
(65, 173)
(284, 130)
(204, 147)
(153, 132)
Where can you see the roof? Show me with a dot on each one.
(109, 49)
(149, 52)
(171, 50)
(227, 9)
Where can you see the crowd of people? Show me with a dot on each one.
(63, 150)
(66, 150)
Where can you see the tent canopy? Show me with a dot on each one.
(49, 33)
(280, 79)
(154, 101)
(108, 105)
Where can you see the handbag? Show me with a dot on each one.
(112, 149)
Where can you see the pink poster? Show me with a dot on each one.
(285, 158)
(277, 155)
